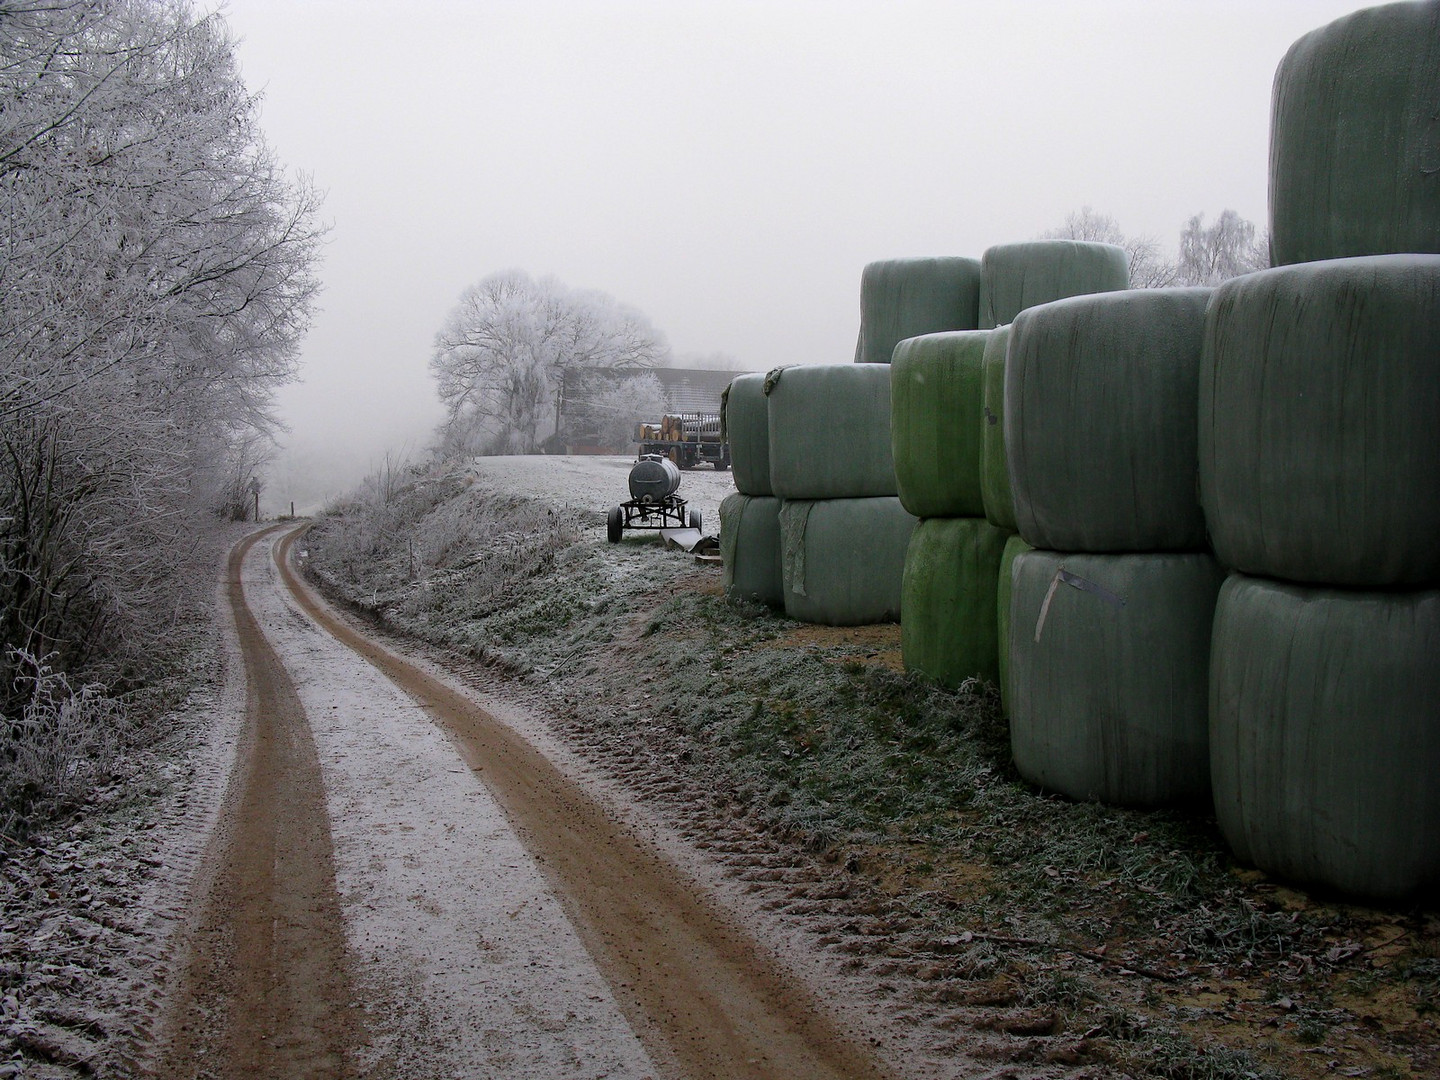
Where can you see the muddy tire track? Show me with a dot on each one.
(706, 1000)
(264, 988)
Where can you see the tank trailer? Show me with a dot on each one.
(653, 503)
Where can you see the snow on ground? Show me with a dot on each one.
(463, 953)
(598, 483)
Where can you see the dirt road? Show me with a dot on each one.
(402, 885)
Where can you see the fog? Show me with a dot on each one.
(728, 168)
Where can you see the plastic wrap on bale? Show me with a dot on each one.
(947, 625)
(1100, 407)
(1004, 589)
(747, 428)
(750, 549)
(902, 298)
(1109, 668)
(995, 493)
(1325, 734)
(1319, 422)
(1355, 138)
(935, 423)
(844, 559)
(830, 431)
(1014, 277)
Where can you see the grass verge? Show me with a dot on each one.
(1087, 938)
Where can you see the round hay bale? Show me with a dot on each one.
(1014, 277)
(903, 298)
(830, 431)
(747, 428)
(1324, 741)
(994, 475)
(947, 606)
(1355, 138)
(1100, 407)
(844, 559)
(1109, 662)
(1004, 590)
(1320, 422)
(750, 549)
(936, 423)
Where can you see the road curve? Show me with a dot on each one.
(703, 997)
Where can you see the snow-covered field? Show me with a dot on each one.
(598, 483)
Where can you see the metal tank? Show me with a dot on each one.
(653, 479)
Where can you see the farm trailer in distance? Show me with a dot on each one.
(686, 439)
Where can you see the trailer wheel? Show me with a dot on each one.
(615, 525)
(695, 520)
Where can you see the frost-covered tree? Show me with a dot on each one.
(1149, 267)
(613, 406)
(500, 359)
(1215, 253)
(155, 282)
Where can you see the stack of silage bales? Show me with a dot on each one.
(843, 531)
(947, 631)
(901, 298)
(940, 414)
(831, 478)
(1319, 459)
(1111, 613)
(750, 518)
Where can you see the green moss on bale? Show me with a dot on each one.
(1110, 702)
(903, 298)
(747, 427)
(844, 559)
(947, 627)
(1325, 745)
(935, 423)
(1100, 421)
(750, 549)
(1014, 277)
(1355, 138)
(830, 431)
(1320, 422)
(994, 478)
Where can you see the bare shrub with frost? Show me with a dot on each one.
(60, 741)
(439, 540)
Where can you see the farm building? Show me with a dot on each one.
(599, 407)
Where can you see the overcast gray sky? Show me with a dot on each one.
(726, 167)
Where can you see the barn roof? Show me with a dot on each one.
(686, 389)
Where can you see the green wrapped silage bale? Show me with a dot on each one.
(844, 559)
(994, 478)
(747, 428)
(1004, 589)
(903, 298)
(830, 431)
(1355, 138)
(1109, 666)
(1100, 407)
(1325, 734)
(935, 423)
(750, 549)
(1014, 277)
(1320, 422)
(947, 607)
